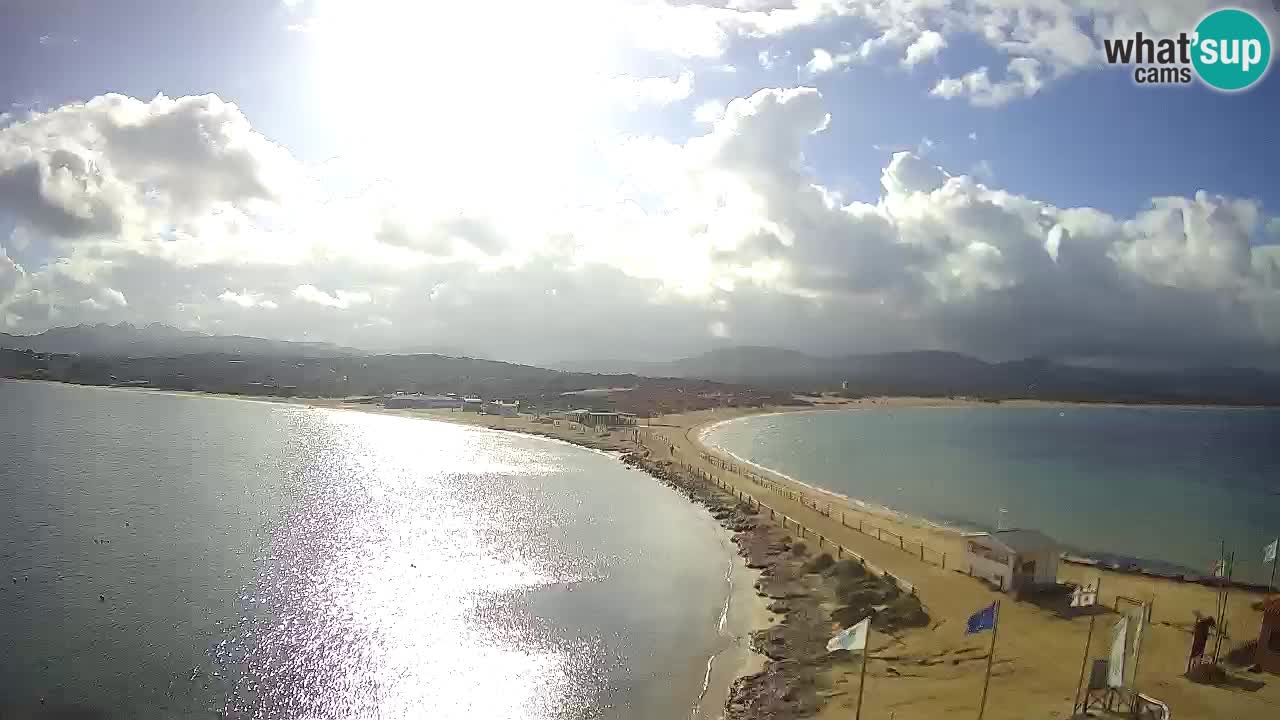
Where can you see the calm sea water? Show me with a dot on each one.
(262, 560)
(1155, 484)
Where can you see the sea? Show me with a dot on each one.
(1164, 488)
(168, 556)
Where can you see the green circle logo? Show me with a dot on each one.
(1232, 49)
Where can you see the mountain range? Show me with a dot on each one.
(778, 370)
(939, 373)
(157, 340)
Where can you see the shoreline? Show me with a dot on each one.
(783, 670)
(1113, 561)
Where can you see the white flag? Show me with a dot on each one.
(1269, 552)
(1138, 622)
(1085, 595)
(1115, 666)
(852, 639)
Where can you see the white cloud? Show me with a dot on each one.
(114, 297)
(709, 111)
(633, 92)
(341, 299)
(925, 47)
(1024, 79)
(824, 62)
(248, 299)
(727, 232)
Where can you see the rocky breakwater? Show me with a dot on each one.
(812, 597)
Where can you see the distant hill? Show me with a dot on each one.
(157, 340)
(937, 373)
(377, 375)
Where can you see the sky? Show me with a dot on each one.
(591, 180)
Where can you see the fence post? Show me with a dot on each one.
(902, 543)
(879, 534)
(921, 552)
(944, 561)
(859, 524)
(842, 518)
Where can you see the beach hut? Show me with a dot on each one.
(1013, 560)
(1269, 637)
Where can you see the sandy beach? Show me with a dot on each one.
(937, 671)
(1038, 658)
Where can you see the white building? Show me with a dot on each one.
(503, 409)
(1013, 560)
(472, 404)
(422, 402)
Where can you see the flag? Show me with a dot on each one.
(984, 619)
(1269, 552)
(852, 638)
(1222, 568)
(1085, 595)
(1138, 622)
(1115, 665)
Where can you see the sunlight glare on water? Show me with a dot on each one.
(391, 587)
(222, 558)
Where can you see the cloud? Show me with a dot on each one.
(824, 62)
(115, 297)
(709, 111)
(726, 236)
(341, 299)
(113, 164)
(633, 92)
(248, 299)
(1024, 79)
(926, 47)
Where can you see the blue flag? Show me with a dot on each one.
(984, 619)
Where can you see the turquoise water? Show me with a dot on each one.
(259, 560)
(1161, 485)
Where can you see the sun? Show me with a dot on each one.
(450, 86)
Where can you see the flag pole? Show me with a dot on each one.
(1137, 648)
(862, 678)
(991, 656)
(1084, 663)
(1275, 560)
(1222, 616)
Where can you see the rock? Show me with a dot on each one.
(820, 563)
(847, 569)
(904, 612)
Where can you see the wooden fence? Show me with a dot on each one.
(916, 548)
(789, 523)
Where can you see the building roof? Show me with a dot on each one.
(1024, 541)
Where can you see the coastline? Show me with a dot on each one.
(1109, 560)
(1035, 658)
(781, 668)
